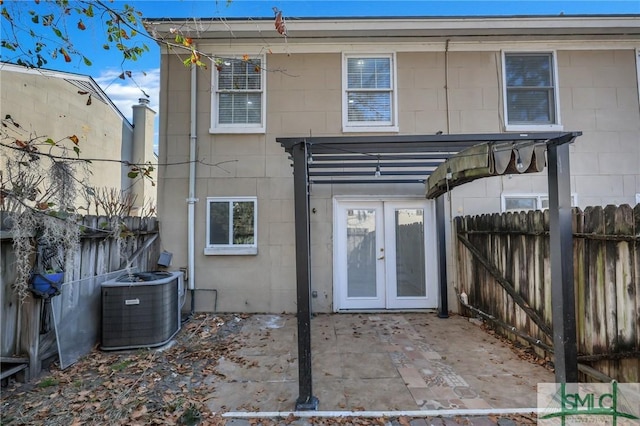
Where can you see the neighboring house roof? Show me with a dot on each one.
(83, 82)
(541, 27)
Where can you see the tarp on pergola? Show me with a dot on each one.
(447, 161)
(485, 160)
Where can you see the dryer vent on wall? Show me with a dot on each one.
(141, 309)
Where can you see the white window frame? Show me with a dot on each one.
(221, 128)
(539, 197)
(348, 126)
(232, 249)
(557, 126)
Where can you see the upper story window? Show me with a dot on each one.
(238, 103)
(232, 225)
(369, 95)
(531, 92)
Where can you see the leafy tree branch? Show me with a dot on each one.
(32, 36)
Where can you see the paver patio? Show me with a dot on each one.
(376, 362)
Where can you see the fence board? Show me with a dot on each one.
(9, 313)
(101, 267)
(606, 254)
(583, 311)
(611, 280)
(89, 250)
(596, 269)
(625, 312)
(29, 338)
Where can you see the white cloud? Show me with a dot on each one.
(126, 93)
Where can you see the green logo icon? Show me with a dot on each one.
(580, 402)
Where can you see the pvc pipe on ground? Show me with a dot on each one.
(414, 413)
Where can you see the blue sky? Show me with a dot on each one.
(145, 72)
(329, 8)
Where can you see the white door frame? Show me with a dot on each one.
(430, 299)
(340, 255)
(386, 267)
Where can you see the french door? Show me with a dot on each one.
(384, 255)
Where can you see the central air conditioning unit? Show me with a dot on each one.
(141, 309)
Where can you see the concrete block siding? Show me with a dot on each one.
(598, 95)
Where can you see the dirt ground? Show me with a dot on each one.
(130, 387)
(160, 387)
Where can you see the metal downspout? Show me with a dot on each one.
(192, 200)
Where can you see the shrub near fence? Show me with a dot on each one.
(98, 253)
(498, 250)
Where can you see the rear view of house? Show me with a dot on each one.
(226, 192)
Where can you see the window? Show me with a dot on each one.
(231, 225)
(369, 98)
(238, 101)
(531, 91)
(520, 202)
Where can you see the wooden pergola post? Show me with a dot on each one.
(306, 401)
(441, 224)
(563, 309)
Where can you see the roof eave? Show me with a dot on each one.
(69, 77)
(403, 27)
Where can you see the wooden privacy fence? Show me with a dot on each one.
(24, 338)
(503, 266)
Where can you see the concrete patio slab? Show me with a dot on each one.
(376, 362)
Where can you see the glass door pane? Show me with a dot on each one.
(410, 256)
(361, 253)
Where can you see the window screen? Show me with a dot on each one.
(239, 92)
(530, 91)
(369, 90)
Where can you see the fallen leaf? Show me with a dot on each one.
(139, 413)
(404, 421)
(67, 58)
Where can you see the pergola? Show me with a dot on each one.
(447, 161)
